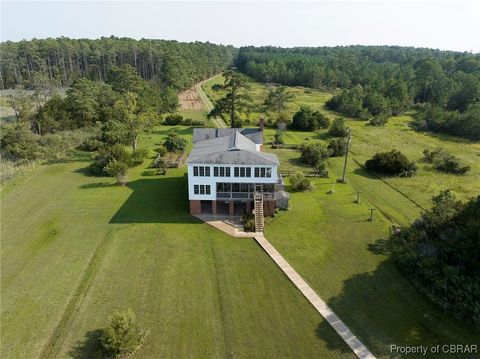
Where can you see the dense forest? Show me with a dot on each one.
(63, 60)
(378, 81)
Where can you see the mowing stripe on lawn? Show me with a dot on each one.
(345, 333)
(55, 341)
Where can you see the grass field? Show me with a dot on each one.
(367, 140)
(75, 248)
(346, 259)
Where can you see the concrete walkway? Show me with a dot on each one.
(348, 337)
(229, 224)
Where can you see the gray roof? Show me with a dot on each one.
(234, 149)
(202, 134)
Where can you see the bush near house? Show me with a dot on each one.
(307, 120)
(392, 163)
(248, 221)
(441, 252)
(116, 153)
(299, 182)
(312, 153)
(175, 143)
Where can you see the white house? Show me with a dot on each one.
(227, 167)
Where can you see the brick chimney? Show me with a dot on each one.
(261, 123)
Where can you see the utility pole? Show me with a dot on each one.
(349, 140)
(371, 214)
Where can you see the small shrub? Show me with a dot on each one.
(278, 137)
(299, 182)
(123, 336)
(445, 161)
(248, 221)
(338, 128)
(379, 120)
(191, 122)
(320, 169)
(175, 143)
(160, 165)
(392, 163)
(108, 154)
(312, 153)
(307, 120)
(337, 147)
(162, 151)
(19, 143)
(139, 155)
(118, 169)
(173, 120)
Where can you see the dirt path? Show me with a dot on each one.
(208, 105)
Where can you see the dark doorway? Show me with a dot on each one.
(222, 208)
(240, 208)
(206, 207)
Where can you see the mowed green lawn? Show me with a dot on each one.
(75, 248)
(346, 258)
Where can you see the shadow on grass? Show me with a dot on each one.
(89, 347)
(360, 171)
(156, 200)
(382, 307)
(326, 333)
(97, 185)
(381, 246)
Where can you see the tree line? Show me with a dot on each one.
(62, 60)
(378, 81)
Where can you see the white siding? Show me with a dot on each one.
(212, 181)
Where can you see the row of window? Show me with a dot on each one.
(201, 171)
(221, 171)
(263, 172)
(259, 172)
(201, 189)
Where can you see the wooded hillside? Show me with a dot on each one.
(378, 81)
(62, 60)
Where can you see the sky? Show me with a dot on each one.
(446, 25)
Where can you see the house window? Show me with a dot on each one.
(242, 172)
(219, 171)
(263, 172)
(201, 171)
(207, 189)
(202, 189)
(195, 189)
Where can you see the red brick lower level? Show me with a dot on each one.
(231, 208)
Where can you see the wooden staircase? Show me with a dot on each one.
(258, 210)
